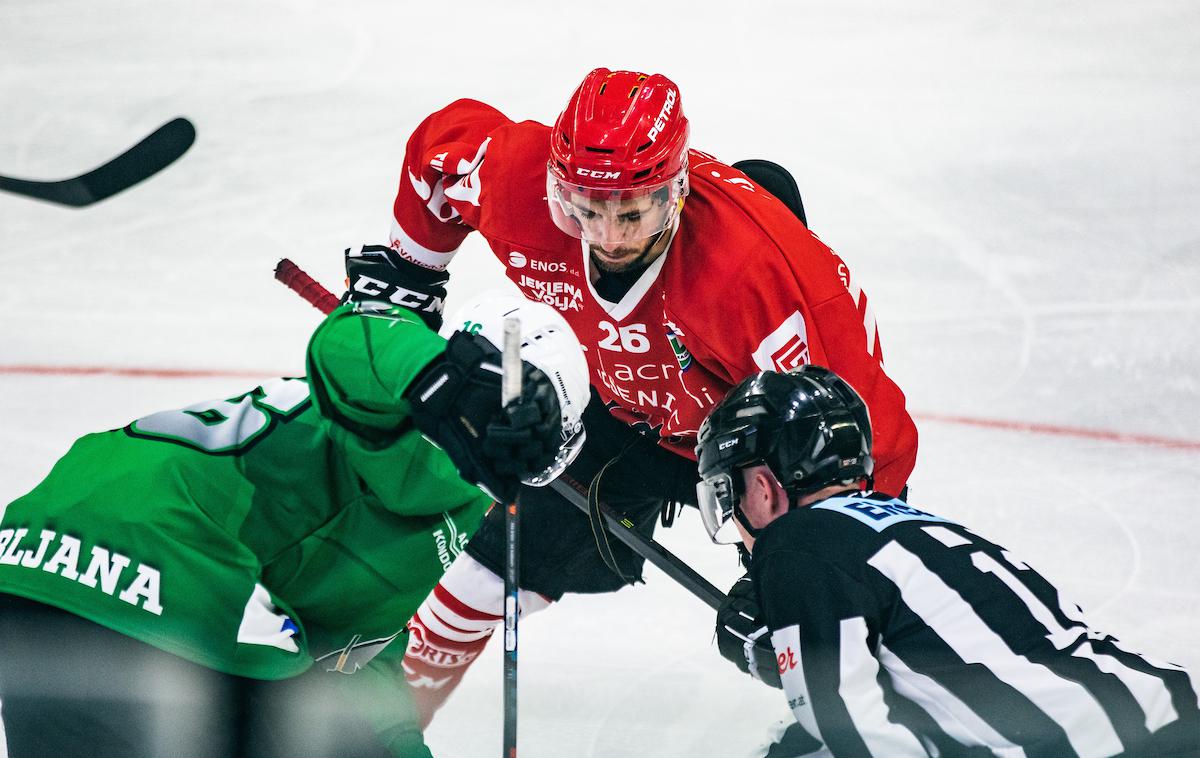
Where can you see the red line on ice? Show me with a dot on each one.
(1063, 431)
(132, 371)
(1012, 426)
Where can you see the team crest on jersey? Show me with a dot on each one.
(356, 654)
(785, 348)
(681, 353)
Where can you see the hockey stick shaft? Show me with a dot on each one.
(159, 149)
(575, 494)
(646, 547)
(510, 391)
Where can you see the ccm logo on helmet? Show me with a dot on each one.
(600, 174)
(660, 123)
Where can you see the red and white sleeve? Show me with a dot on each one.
(438, 200)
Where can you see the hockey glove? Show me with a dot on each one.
(742, 638)
(375, 272)
(456, 403)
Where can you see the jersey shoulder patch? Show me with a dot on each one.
(877, 514)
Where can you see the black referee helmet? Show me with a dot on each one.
(808, 426)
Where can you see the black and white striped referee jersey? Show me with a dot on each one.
(901, 633)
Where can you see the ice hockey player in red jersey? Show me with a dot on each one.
(680, 276)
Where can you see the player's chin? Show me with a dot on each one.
(615, 261)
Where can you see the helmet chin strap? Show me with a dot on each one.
(667, 230)
(739, 492)
(745, 522)
(658, 237)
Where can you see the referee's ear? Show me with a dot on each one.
(764, 500)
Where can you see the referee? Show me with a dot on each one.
(896, 632)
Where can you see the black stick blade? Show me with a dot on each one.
(154, 153)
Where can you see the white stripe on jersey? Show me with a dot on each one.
(869, 325)
(480, 589)
(443, 622)
(1070, 705)
(951, 714)
(791, 674)
(860, 298)
(861, 693)
(1156, 663)
(1149, 691)
(853, 288)
(945, 536)
(1058, 635)
(1159, 664)
(408, 247)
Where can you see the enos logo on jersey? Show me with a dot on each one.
(520, 260)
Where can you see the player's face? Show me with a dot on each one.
(620, 234)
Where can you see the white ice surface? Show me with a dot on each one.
(1017, 185)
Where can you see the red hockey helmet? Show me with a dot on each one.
(622, 138)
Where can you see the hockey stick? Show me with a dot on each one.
(298, 280)
(650, 549)
(154, 153)
(510, 391)
(574, 492)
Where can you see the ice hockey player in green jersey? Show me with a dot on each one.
(234, 577)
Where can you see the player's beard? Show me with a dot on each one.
(622, 259)
(626, 257)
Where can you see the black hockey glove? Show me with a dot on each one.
(375, 272)
(743, 638)
(456, 403)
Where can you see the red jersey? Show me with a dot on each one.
(743, 285)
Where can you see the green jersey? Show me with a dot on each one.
(302, 520)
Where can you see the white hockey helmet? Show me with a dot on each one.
(549, 343)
